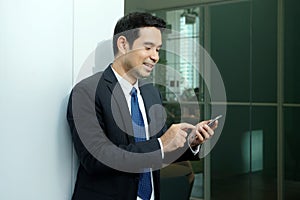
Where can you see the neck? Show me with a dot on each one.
(121, 70)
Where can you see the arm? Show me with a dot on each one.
(95, 151)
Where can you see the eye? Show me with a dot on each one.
(158, 50)
(148, 48)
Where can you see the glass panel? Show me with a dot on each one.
(245, 167)
(230, 158)
(230, 47)
(179, 64)
(291, 52)
(291, 153)
(264, 51)
(264, 153)
(291, 95)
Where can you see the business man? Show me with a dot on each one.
(117, 121)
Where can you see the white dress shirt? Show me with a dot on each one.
(127, 87)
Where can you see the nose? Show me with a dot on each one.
(154, 56)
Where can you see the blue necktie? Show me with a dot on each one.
(145, 187)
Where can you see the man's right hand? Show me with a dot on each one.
(175, 136)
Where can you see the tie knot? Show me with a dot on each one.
(133, 92)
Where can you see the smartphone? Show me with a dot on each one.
(210, 124)
(212, 121)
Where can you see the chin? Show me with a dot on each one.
(143, 76)
(146, 74)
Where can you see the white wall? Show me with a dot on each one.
(42, 47)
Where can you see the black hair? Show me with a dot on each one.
(129, 25)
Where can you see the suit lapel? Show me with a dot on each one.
(148, 102)
(120, 110)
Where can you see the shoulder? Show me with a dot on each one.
(89, 82)
(93, 82)
(85, 90)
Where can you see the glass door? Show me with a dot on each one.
(255, 45)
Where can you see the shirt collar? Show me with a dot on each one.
(125, 85)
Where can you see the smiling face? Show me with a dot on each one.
(139, 60)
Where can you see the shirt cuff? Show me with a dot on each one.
(194, 151)
(161, 148)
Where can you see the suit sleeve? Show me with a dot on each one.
(95, 151)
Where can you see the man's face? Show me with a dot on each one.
(139, 61)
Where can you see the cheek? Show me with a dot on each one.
(140, 58)
(144, 54)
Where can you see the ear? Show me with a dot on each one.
(122, 44)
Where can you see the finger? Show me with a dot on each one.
(215, 125)
(185, 126)
(199, 136)
(204, 133)
(203, 130)
(209, 130)
(183, 133)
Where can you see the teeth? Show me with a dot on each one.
(149, 65)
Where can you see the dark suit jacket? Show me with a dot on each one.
(101, 130)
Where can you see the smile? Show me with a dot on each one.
(149, 65)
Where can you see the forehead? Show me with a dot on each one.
(149, 35)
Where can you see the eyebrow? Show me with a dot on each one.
(152, 44)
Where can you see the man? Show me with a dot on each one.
(117, 122)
